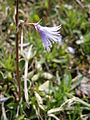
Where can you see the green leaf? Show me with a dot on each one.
(67, 80)
(21, 64)
(44, 86)
(76, 82)
(1, 76)
(21, 117)
(10, 2)
(11, 105)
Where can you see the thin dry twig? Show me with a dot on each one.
(25, 81)
(17, 63)
(28, 54)
(21, 39)
(79, 2)
(70, 102)
(47, 14)
(18, 109)
(3, 111)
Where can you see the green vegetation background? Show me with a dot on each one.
(59, 81)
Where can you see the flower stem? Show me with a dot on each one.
(17, 63)
(47, 14)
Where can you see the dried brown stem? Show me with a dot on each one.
(17, 63)
(48, 10)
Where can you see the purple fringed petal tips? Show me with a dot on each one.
(49, 35)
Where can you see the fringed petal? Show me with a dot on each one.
(49, 35)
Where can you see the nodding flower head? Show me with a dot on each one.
(49, 35)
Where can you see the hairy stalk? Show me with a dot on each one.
(17, 63)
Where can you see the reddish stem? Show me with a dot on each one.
(48, 10)
(17, 63)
